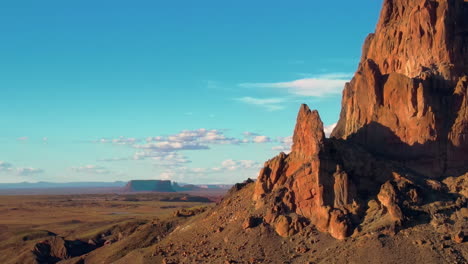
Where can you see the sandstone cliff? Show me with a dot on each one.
(407, 100)
(403, 128)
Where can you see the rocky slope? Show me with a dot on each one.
(236, 232)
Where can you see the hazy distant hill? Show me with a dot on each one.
(47, 185)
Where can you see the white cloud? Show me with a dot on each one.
(250, 134)
(232, 165)
(167, 175)
(149, 139)
(28, 171)
(282, 148)
(285, 144)
(227, 171)
(318, 86)
(112, 159)
(164, 149)
(188, 140)
(168, 146)
(240, 168)
(270, 104)
(172, 159)
(23, 138)
(329, 129)
(163, 159)
(199, 139)
(118, 141)
(5, 166)
(202, 135)
(253, 137)
(8, 167)
(261, 139)
(91, 169)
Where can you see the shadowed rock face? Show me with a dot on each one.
(404, 123)
(412, 80)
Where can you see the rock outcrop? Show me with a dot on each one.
(306, 185)
(408, 99)
(56, 248)
(403, 128)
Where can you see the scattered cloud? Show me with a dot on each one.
(8, 167)
(261, 139)
(270, 104)
(199, 139)
(158, 138)
(239, 168)
(165, 150)
(316, 86)
(189, 140)
(168, 146)
(327, 76)
(91, 169)
(256, 138)
(113, 159)
(28, 171)
(164, 159)
(5, 166)
(232, 165)
(23, 138)
(285, 144)
(167, 175)
(118, 141)
(329, 129)
(250, 134)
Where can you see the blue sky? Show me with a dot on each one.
(193, 91)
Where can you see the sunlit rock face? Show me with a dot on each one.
(408, 99)
(404, 121)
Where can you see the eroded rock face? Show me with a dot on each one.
(413, 36)
(294, 184)
(407, 100)
(389, 199)
(403, 128)
(308, 138)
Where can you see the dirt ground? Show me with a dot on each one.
(26, 220)
(179, 228)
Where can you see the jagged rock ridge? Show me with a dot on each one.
(408, 99)
(403, 129)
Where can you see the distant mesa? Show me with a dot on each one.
(149, 186)
(170, 186)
